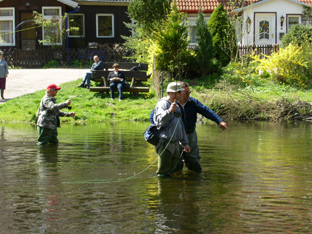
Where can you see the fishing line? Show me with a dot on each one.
(130, 177)
(19, 30)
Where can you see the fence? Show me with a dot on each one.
(40, 57)
(257, 49)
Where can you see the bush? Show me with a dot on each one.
(298, 35)
(291, 65)
(242, 73)
(221, 29)
(51, 64)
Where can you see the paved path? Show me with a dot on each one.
(25, 81)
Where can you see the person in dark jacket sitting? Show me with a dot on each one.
(96, 66)
(191, 107)
(116, 80)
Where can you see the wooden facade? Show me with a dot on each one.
(90, 12)
(23, 10)
(28, 39)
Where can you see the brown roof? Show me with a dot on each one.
(210, 5)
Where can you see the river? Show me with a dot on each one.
(257, 178)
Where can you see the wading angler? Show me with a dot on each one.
(47, 118)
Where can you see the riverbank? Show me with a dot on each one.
(268, 103)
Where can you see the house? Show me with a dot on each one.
(262, 22)
(99, 22)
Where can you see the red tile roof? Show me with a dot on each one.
(210, 5)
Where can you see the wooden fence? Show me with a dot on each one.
(71, 57)
(257, 49)
(40, 57)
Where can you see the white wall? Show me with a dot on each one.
(278, 7)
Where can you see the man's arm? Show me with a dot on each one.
(50, 105)
(205, 111)
(162, 114)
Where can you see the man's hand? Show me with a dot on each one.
(173, 107)
(72, 114)
(223, 126)
(68, 102)
(187, 149)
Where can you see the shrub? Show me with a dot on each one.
(298, 35)
(51, 64)
(221, 29)
(204, 50)
(173, 44)
(291, 65)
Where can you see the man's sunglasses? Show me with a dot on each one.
(187, 92)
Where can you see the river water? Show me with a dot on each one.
(257, 178)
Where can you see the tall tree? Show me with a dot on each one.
(220, 29)
(148, 13)
(204, 49)
(147, 16)
(173, 44)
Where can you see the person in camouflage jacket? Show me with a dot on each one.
(48, 116)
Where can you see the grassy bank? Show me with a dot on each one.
(268, 102)
(89, 106)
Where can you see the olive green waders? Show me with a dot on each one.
(168, 160)
(47, 135)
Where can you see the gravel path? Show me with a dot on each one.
(25, 81)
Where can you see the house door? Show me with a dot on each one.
(28, 32)
(265, 29)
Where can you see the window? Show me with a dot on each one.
(52, 35)
(105, 25)
(192, 34)
(264, 28)
(7, 24)
(76, 21)
(293, 20)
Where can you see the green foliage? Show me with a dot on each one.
(148, 13)
(221, 30)
(299, 35)
(204, 50)
(173, 44)
(52, 64)
(307, 15)
(138, 42)
(291, 65)
(242, 74)
(54, 28)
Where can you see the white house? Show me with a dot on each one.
(265, 22)
(262, 22)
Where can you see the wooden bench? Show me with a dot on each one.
(131, 76)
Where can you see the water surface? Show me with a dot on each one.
(101, 179)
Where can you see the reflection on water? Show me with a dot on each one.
(256, 179)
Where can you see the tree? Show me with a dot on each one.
(204, 50)
(298, 34)
(221, 30)
(173, 44)
(147, 16)
(307, 15)
(54, 28)
(148, 13)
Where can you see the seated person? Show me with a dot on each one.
(96, 66)
(117, 80)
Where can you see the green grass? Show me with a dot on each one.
(231, 102)
(89, 106)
